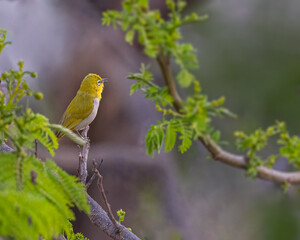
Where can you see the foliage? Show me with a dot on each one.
(157, 35)
(162, 39)
(72, 236)
(3, 41)
(289, 147)
(35, 197)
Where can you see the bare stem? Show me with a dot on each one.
(91, 180)
(101, 189)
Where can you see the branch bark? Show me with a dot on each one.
(98, 216)
(216, 152)
(5, 148)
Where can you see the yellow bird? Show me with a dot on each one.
(84, 107)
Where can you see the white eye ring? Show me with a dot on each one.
(99, 82)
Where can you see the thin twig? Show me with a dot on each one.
(101, 189)
(91, 180)
(214, 149)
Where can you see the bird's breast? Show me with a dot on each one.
(91, 117)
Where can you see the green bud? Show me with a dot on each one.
(33, 75)
(24, 85)
(5, 75)
(18, 75)
(38, 95)
(21, 64)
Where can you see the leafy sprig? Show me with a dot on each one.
(35, 197)
(189, 119)
(191, 122)
(158, 35)
(163, 37)
(253, 144)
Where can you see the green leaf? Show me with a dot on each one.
(154, 139)
(181, 5)
(74, 137)
(47, 193)
(186, 135)
(134, 87)
(170, 138)
(129, 36)
(216, 136)
(171, 5)
(144, 3)
(185, 78)
(185, 144)
(127, 6)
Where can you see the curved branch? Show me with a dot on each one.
(217, 153)
(164, 63)
(100, 218)
(98, 215)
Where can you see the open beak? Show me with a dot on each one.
(104, 79)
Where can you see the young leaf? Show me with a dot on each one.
(154, 139)
(134, 87)
(185, 78)
(74, 137)
(170, 138)
(129, 36)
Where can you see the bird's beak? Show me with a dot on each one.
(104, 79)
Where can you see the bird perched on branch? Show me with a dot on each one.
(84, 107)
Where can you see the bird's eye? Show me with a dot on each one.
(99, 82)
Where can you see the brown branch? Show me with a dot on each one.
(164, 63)
(98, 216)
(214, 149)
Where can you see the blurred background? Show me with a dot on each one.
(248, 52)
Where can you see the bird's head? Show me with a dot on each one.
(93, 84)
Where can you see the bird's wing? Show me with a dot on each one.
(79, 109)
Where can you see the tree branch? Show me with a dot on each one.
(5, 148)
(217, 153)
(164, 63)
(83, 157)
(98, 216)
